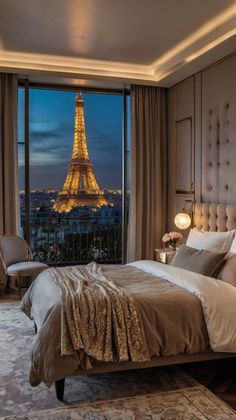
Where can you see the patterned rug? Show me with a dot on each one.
(195, 403)
(18, 397)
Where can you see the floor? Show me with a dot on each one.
(9, 297)
(218, 376)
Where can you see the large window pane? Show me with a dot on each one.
(83, 232)
(21, 114)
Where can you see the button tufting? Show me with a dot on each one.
(226, 187)
(210, 164)
(210, 127)
(210, 145)
(227, 163)
(227, 105)
(227, 141)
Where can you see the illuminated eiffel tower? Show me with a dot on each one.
(80, 187)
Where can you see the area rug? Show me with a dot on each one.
(18, 397)
(195, 403)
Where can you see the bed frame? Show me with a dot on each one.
(154, 362)
(209, 217)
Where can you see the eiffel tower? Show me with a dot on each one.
(80, 187)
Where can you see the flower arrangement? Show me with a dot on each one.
(171, 239)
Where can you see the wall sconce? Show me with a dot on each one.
(183, 219)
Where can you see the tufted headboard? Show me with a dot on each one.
(214, 217)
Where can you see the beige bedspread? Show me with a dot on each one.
(172, 319)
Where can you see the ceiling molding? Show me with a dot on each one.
(206, 38)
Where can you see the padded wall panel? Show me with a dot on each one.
(219, 133)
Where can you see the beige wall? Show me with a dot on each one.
(202, 138)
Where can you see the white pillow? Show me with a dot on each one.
(233, 246)
(213, 241)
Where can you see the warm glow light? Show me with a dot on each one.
(182, 220)
(211, 45)
(214, 23)
(212, 33)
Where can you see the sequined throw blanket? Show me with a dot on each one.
(100, 320)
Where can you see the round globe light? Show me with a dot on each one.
(182, 220)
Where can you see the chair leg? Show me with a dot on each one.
(19, 286)
(7, 281)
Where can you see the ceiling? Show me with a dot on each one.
(144, 41)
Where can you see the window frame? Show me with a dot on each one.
(125, 93)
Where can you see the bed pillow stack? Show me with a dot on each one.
(218, 245)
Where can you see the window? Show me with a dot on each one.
(71, 149)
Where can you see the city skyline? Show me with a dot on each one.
(51, 137)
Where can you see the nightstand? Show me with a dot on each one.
(164, 255)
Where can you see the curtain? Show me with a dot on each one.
(8, 156)
(148, 190)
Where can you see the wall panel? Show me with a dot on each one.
(180, 147)
(219, 133)
(208, 100)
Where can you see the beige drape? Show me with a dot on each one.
(8, 154)
(8, 158)
(147, 215)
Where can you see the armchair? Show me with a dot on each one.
(16, 258)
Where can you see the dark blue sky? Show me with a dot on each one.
(51, 136)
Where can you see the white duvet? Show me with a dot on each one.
(218, 301)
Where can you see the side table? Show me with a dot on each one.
(164, 255)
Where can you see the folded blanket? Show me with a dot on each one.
(100, 320)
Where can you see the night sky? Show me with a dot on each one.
(51, 137)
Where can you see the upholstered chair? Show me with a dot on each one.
(16, 258)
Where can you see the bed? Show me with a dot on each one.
(164, 296)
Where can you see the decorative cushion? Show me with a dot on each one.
(228, 272)
(28, 268)
(213, 241)
(200, 261)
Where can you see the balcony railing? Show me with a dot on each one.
(75, 240)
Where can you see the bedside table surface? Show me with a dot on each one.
(164, 255)
(165, 250)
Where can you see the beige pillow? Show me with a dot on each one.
(200, 261)
(228, 272)
(213, 241)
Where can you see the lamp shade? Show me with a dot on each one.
(182, 220)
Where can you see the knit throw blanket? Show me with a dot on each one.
(100, 320)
